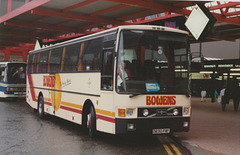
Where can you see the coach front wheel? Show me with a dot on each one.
(91, 122)
(41, 107)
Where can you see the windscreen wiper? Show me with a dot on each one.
(133, 95)
(136, 94)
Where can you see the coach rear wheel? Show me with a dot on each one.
(41, 107)
(91, 122)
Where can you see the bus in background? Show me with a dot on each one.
(129, 79)
(12, 79)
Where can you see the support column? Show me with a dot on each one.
(213, 79)
(24, 54)
(6, 54)
(9, 6)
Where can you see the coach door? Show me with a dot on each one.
(106, 99)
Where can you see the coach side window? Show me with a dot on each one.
(55, 60)
(2, 72)
(70, 58)
(107, 70)
(30, 62)
(91, 54)
(35, 63)
(107, 62)
(43, 62)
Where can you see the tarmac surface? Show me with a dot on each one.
(213, 131)
(22, 132)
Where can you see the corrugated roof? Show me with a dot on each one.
(46, 19)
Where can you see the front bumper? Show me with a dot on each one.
(12, 94)
(146, 126)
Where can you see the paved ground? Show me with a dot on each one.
(214, 131)
(23, 133)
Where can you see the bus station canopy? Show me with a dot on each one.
(61, 19)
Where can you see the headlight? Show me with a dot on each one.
(186, 110)
(11, 89)
(185, 124)
(175, 112)
(145, 112)
(131, 126)
(122, 112)
(129, 112)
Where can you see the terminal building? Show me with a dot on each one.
(213, 75)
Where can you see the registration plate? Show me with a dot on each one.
(160, 131)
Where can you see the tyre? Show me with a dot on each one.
(91, 122)
(41, 107)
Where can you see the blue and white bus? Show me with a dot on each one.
(12, 79)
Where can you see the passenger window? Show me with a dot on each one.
(43, 62)
(80, 60)
(91, 54)
(107, 62)
(107, 70)
(35, 63)
(55, 60)
(2, 72)
(30, 63)
(70, 60)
